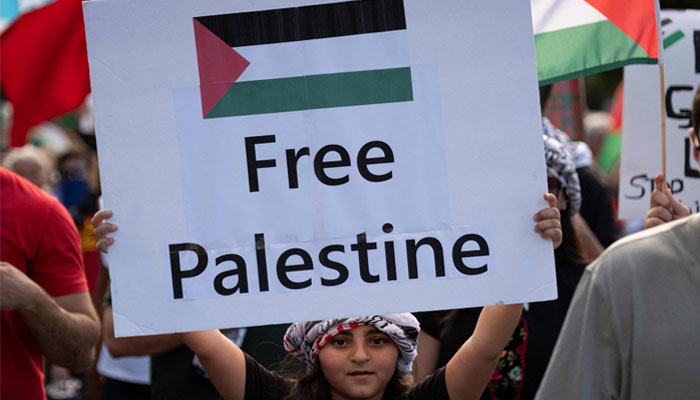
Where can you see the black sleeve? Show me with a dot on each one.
(432, 388)
(261, 383)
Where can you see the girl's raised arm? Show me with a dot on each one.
(222, 359)
(468, 372)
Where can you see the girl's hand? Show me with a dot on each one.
(102, 229)
(549, 221)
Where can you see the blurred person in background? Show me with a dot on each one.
(31, 163)
(596, 206)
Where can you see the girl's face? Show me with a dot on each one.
(359, 363)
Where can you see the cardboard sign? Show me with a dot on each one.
(273, 161)
(641, 121)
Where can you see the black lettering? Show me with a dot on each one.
(283, 269)
(676, 186)
(458, 254)
(362, 247)
(411, 255)
(390, 261)
(634, 182)
(690, 172)
(253, 163)
(292, 164)
(363, 161)
(177, 274)
(334, 265)
(696, 42)
(389, 254)
(320, 165)
(683, 113)
(239, 271)
(262, 262)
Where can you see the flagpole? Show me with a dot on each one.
(662, 88)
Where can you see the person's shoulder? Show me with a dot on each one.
(646, 250)
(19, 189)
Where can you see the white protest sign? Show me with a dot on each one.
(272, 161)
(640, 160)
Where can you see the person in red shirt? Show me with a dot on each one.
(46, 308)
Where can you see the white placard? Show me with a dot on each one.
(641, 120)
(415, 192)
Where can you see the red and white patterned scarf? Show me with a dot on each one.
(305, 339)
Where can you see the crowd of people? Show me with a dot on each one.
(622, 327)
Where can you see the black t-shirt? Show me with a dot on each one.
(262, 384)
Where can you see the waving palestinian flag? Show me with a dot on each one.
(303, 58)
(580, 37)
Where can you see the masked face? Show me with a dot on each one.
(359, 363)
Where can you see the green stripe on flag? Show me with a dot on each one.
(673, 38)
(315, 92)
(584, 50)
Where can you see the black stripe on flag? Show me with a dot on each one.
(308, 22)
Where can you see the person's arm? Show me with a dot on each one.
(64, 327)
(223, 361)
(663, 207)
(137, 345)
(469, 370)
(426, 361)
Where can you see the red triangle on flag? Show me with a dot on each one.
(219, 66)
(637, 18)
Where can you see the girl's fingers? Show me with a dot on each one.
(103, 244)
(103, 229)
(547, 213)
(100, 217)
(551, 200)
(555, 234)
(545, 224)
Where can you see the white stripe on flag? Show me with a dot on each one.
(330, 55)
(553, 15)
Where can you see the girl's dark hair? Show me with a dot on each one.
(313, 385)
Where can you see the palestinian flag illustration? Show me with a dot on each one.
(580, 37)
(303, 58)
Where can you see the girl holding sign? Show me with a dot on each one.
(360, 357)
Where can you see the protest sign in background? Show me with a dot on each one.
(281, 160)
(641, 125)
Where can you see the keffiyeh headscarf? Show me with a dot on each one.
(305, 339)
(580, 152)
(560, 164)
